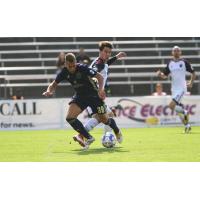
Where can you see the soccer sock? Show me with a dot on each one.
(78, 126)
(90, 124)
(181, 112)
(182, 118)
(107, 129)
(111, 122)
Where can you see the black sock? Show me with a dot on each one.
(78, 126)
(111, 122)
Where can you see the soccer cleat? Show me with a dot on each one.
(81, 136)
(188, 128)
(119, 137)
(80, 139)
(88, 142)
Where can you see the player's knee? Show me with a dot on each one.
(172, 105)
(103, 119)
(70, 116)
(96, 117)
(70, 120)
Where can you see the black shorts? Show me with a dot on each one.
(94, 102)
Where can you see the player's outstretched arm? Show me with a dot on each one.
(118, 56)
(191, 81)
(100, 79)
(51, 88)
(161, 74)
(121, 55)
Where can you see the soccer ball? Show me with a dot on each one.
(108, 140)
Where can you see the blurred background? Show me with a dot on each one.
(29, 64)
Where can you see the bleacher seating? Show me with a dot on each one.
(29, 63)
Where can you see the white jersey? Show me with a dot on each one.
(102, 69)
(100, 66)
(178, 70)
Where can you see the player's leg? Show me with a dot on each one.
(185, 116)
(89, 125)
(75, 108)
(92, 122)
(104, 118)
(98, 107)
(107, 128)
(72, 114)
(179, 108)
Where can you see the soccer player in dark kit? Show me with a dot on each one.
(86, 94)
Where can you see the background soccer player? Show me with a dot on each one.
(178, 67)
(87, 94)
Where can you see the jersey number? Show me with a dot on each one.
(101, 109)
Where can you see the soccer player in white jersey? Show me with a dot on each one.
(178, 67)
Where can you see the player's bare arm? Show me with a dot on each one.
(191, 81)
(100, 79)
(117, 57)
(50, 90)
(161, 75)
(121, 55)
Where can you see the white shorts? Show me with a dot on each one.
(89, 110)
(178, 95)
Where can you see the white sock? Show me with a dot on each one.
(90, 124)
(107, 129)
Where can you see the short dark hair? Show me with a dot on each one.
(104, 44)
(70, 57)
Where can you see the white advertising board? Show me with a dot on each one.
(132, 112)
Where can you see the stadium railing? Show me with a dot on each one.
(96, 42)
(38, 54)
(95, 50)
(52, 76)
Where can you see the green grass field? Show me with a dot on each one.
(140, 144)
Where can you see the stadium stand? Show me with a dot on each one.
(29, 63)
